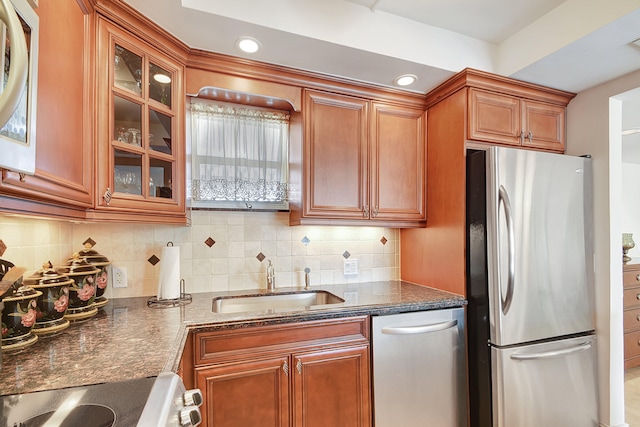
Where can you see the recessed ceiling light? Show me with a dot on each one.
(405, 80)
(162, 78)
(248, 44)
(630, 131)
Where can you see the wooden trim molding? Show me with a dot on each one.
(470, 77)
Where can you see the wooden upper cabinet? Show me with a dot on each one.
(494, 117)
(508, 112)
(362, 162)
(336, 142)
(62, 186)
(511, 120)
(545, 126)
(140, 146)
(398, 163)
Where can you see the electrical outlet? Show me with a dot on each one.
(350, 267)
(119, 277)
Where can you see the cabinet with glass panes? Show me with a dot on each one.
(140, 155)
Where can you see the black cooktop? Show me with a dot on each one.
(116, 404)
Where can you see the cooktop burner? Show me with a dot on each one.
(82, 415)
(116, 404)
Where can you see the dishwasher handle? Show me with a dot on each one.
(422, 329)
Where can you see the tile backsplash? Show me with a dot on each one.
(220, 251)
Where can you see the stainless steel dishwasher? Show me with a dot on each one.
(419, 374)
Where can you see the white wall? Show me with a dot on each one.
(594, 124)
(631, 203)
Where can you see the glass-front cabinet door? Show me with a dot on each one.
(141, 131)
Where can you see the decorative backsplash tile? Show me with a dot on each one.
(226, 263)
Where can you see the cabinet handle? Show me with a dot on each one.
(23, 177)
(638, 343)
(285, 368)
(521, 136)
(638, 297)
(638, 317)
(638, 277)
(365, 211)
(530, 136)
(299, 366)
(107, 196)
(375, 212)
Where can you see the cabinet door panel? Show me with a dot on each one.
(494, 117)
(331, 388)
(336, 155)
(397, 163)
(63, 130)
(140, 121)
(254, 393)
(546, 124)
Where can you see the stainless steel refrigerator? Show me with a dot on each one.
(530, 318)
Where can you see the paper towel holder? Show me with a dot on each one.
(184, 299)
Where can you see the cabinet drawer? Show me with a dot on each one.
(234, 344)
(631, 319)
(631, 297)
(631, 344)
(631, 278)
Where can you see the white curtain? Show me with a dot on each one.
(239, 153)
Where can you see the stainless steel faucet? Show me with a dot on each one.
(306, 278)
(271, 277)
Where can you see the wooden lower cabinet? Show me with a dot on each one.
(331, 388)
(301, 374)
(252, 393)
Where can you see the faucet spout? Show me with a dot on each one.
(271, 277)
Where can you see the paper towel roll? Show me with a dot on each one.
(169, 283)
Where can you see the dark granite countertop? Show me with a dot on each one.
(127, 339)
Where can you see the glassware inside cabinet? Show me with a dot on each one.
(159, 132)
(159, 84)
(161, 175)
(127, 121)
(127, 70)
(127, 173)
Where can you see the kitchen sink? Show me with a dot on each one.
(278, 301)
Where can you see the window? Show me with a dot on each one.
(239, 156)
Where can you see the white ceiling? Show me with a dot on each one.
(565, 44)
(570, 45)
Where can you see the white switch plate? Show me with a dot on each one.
(119, 277)
(350, 267)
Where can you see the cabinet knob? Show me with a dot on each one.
(365, 211)
(375, 212)
(638, 277)
(521, 136)
(638, 297)
(638, 317)
(530, 136)
(299, 366)
(285, 368)
(23, 177)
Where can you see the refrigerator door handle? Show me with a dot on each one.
(549, 354)
(422, 329)
(504, 198)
